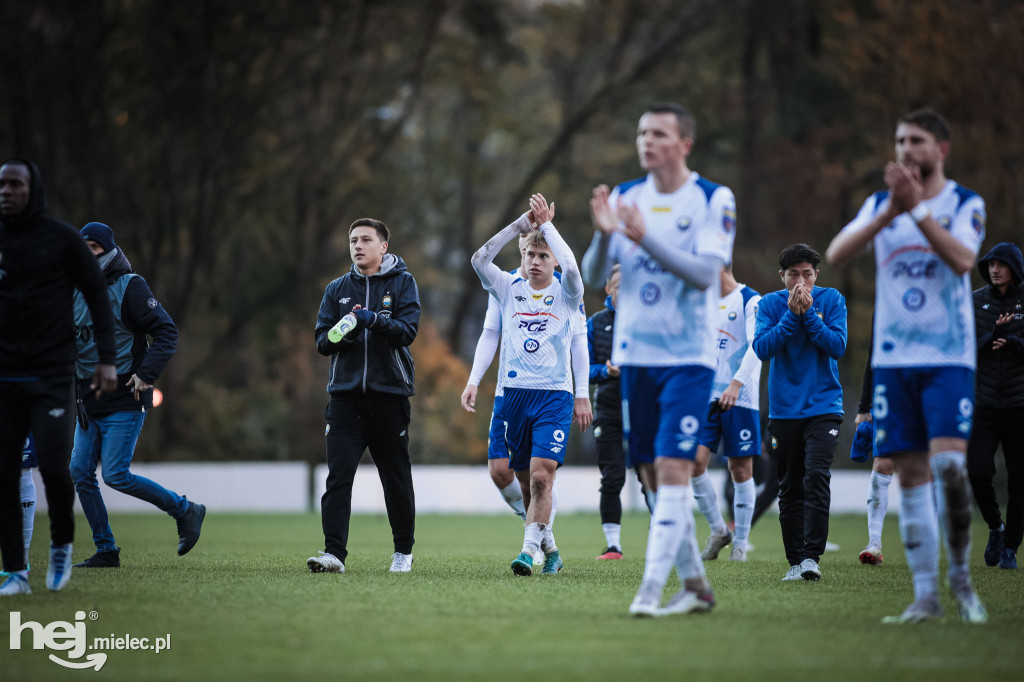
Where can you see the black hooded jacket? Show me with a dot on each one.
(375, 359)
(42, 262)
(1000, 375)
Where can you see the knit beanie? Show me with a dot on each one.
(101, 234)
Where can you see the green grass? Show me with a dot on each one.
(242, 606)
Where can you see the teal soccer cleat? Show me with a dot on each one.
(552, 563)
(523, 564)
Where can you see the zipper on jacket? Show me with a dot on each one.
(398, 359)
(366, 338)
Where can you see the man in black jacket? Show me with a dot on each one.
(999, 399)
(371, 378)
(115, 419)
(42, 261)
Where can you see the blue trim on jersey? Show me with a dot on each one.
(879, 198)
(748, 294)
(708, 186)
(496, 448)
(629, 184)
(963, 195)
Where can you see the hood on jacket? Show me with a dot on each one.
(391, 265)
(114, 264)
(1009, 254)
(608, 303)
(36, 196)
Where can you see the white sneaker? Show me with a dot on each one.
(714, 545)
(688, 601)
(871, 555)
(15, 584)
(809, 570)
(738, 554)
(918, 612)
(58, 573)
(971, 609)
(401, 563)
(792, 574)
(325, 563)
(645, 603)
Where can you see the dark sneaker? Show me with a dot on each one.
(1008, 559)
(189, 527)
(610, 553)
(111, 559)
(994, 547)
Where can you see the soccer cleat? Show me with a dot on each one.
(189, 527)
(610, 553)
(809, 570)
(688, 601)
(325, 563)
(645, 603)
(523, 564)
(552, 563)
(714, 545)
(1008, 559)
(918, 612)
(110, 559)
(994, 548)
(871, 555)
(58, 573)
(792, 574)
(401, 563)
(738, 554)
(15, 584)
(971, 609)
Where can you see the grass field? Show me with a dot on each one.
(242, 606)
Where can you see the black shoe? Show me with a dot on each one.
(994, 547)
(189, 527)
(111, 559)
(1008, 559)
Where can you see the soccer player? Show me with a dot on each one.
(926, 232)
(802, 330)
(733, 419)
(672, 231)
(537, 327)
(501, 473)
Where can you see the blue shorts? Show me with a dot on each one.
(28, 454)
(663, 409)
(536, 425)
(912, 405)
(739, 427)
(496, 436)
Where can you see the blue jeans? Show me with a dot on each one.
(111, 439)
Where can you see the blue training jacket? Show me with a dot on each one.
(803, 377)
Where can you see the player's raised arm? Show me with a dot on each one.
(572, 281)
(483, 259)
(698, 270)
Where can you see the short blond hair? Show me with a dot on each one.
(535, 238)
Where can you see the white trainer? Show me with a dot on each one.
(871, 555)
(714, 545)
(15, 584)
(645, 603)
(401, 563)
(325, 563)
(688, 601)
(918, 612)
(809, 570)
(792, 574)
(738, 554)
(58, 573)
(971, 609)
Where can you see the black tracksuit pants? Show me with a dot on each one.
(46, 407)
(992, 428)
(380, 422)
(611, 460)
(804, 450)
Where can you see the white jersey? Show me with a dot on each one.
(492, 321)
(736, 360)
(661, 321)
(537, 327)
(924, 312)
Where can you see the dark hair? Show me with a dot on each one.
(684, 119)
(381, 228)
(930, 120)
(615, 268)
(798, 253)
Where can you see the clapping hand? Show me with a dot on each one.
(600, 212)
(540, 212)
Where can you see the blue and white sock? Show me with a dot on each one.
(707, 502)
(920, 532)
(953, 505)
(612, 534)
(28, 508)
(743, 501)
(878, 504)
(513, 496)
(688, 562)
(532, 537)
(669, 524)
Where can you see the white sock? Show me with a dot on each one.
(920, 532)
(669, 524)
(652, 499)
(548, 542)
(688, 561)
(953, 506)
(554, 502)
(878, 504)
(533, 536)
(612, 534)
(707, 501)
(513, 496)
(28, 508)
(743, 500)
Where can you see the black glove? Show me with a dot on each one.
(365, 318)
